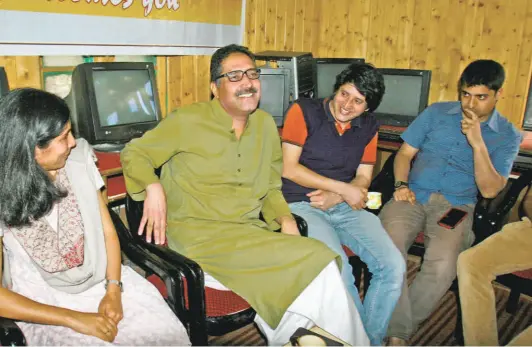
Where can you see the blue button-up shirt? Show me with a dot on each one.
(444, 163)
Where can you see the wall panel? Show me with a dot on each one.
(24, 71)
(441, 35)
(188, 80)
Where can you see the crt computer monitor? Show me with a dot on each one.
(4, 86)
(111, 103)
(326, 71)
(275, 92)
(406, 95)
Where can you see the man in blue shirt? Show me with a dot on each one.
(461, 148)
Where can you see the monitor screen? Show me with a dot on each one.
(327, 69)
(406, 95)
(275, 92)
(124, 97)
(4, 86)
(402, 96)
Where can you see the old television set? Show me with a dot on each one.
(275, 92)
(326, 71)
(4, 85)
(406, 95)
(111, 103)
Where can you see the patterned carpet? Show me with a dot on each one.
(437, 330)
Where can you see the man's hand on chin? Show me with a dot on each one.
(471, 128)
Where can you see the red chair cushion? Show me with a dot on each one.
(223, 302)
(524, 274)
(218, 302)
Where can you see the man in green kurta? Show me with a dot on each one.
(221, 167)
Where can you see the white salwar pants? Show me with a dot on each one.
(325, 302)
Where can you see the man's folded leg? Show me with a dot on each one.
(325, 302)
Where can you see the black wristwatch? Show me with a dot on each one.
(400, 184)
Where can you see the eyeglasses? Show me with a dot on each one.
(237, 75)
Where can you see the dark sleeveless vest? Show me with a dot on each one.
(325, 151)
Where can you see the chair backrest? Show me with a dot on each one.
(492, 214)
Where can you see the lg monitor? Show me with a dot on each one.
(111, 103)
(326, 71)
(4, 86)
(275, 92)
(406, 95)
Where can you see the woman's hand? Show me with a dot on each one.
(111, 305)
(94, 324)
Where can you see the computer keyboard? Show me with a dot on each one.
(391, 137)
(393, 122)
(522, 163)
(390, 133)
(108, 147)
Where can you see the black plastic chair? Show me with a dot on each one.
(191, 299)
(10, 333)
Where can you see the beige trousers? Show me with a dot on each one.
(504, 252)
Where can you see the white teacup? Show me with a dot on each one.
(374, 200)
(311, 340)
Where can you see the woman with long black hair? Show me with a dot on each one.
(62, 264)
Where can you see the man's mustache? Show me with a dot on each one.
(251, 90)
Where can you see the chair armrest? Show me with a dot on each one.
(188, 270)
(173, 268)
(10, 333)
(150, 263)
(301, 225)
(491, 214)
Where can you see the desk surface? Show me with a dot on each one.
(111, 170)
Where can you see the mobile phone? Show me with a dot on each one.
(452, 218)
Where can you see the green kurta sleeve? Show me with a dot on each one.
(275, 205)
(141, 156)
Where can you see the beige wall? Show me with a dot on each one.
(439, 35)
